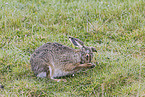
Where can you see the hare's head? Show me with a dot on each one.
(86, 52)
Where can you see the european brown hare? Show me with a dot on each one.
(55, 60)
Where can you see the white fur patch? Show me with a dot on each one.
(42, 74)
(80, 46)
(50, 71)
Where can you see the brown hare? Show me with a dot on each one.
(55, 60)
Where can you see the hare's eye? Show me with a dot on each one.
(87, 56)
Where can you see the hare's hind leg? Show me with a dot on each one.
(59, 80)
(39, 67)
(51, 72)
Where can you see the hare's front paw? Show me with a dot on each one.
(91, 65)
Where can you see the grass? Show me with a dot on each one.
(115, 27)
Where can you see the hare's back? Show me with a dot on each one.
(57, 47)
(53, 48)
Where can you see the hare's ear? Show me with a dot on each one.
(76, 42)
(93, 49)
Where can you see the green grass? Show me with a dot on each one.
(115, 27)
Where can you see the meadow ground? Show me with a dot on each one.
(115, 27)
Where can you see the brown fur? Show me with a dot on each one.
(58, 60)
